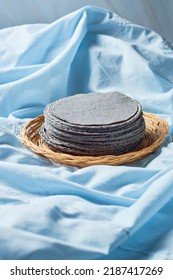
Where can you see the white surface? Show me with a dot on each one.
(156, 14)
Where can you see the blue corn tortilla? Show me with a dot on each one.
(95, 109)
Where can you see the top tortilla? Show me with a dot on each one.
(94, 109)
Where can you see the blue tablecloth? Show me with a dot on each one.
(50, 211)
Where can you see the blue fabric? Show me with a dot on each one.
(50, 211)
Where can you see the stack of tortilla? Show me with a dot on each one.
(94, 124)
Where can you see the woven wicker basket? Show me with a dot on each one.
(156, 131)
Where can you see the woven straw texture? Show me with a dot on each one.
(156, 131)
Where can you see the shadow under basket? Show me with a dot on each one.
(156, 131)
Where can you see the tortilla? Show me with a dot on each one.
(94, 109)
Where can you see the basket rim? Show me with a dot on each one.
(155, 127)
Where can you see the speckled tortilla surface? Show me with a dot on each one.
(95, 108)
